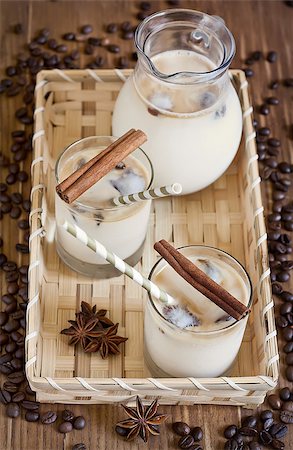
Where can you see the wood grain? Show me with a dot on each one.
(255, 25)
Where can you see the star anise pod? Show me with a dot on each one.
(81, 330)
(92, 313)
(143, 420)
(106, 342)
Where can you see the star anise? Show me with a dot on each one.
(92, 313)
(81, 330)
(106, 342)
(143, 420)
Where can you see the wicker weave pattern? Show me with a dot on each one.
(228, 215)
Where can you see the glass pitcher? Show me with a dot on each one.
(181, 96)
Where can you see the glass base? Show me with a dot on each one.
(157, 372)
(99, 271)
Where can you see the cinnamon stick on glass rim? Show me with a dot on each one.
(200, 281)
(91, 172)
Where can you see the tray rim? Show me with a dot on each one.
(260, 383)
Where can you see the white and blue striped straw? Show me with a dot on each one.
(117, 262)
(164, 191)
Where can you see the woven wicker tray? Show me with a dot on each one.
(228, 215)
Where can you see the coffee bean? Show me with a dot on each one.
(32, 416)
(10, 387)
(272, 56)
(16, 198)
(286, 308)
(186, 441)
(197, 433)
(278, 195)
(80, 446)
(22, 248)
(288, 348)
(264, 131)
(23, 224)
(278, 430)
(265, 437)
(277, 444)
(288, 226)
(3, 187)
(181, 428)
(79, 423)
(15, 212)
(248, 72)
(254, 446)
(264, 109)
(68, 36)
(12, 410)
(112, 28)
(86, 29)
(287, 296)
(272, 100)
(127, 35)
(248, 431)
(65, 427)
(67, 415)
(14, 168)
(3, 318)
(48, 418)
(286, 417)
(30, 405)
(230, 431)
(11, 178)
(287, 334)
(121, 431)
(18, 397)
(274, 401)
(288, 82)
(268, 423)
(289, 373)
(16, 377)
(5, 396)
(3, 338)
(122, 62)
(29, 391)
(26, 205)
(22, 176)
(231, 445)
(11, 325)
(113, 48)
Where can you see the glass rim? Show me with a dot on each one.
(93, 209)
(201, 76)
(203, 332)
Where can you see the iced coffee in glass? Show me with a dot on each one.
(198, 339)
(122, 229)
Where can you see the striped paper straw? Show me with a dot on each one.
(164, 191)
(117, 262)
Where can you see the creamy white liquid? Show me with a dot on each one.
(122, 229)
(187, 142)
(205, 350)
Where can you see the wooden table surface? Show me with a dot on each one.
(264, 25)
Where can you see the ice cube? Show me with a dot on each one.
(221, 112)
(210, 270)
(129, 182)
(180, 316)
(161, 100)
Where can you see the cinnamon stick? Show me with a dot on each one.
(89, 174)
(200, 281)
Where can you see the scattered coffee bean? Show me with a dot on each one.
(79, 446)
(79, 423)
(248, 72)
(113, 48)
(186, 441)
(286, 417)
(86, 29)
(30, 405)
(232, 444)
(5, 396)
(267, 424)
(274, 401)
(121, 431)
(289, 373)
(272, 100)
(12, 410)
(264, 109)
(18, 397)
(32, 416)
(48, 417)
(65, 427)
(277, 444)
(278, 430)
(265, 437)
(272, 57)
(67, 415)
(181, 428)
(197, 433)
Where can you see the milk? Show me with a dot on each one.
(121, 229)
(193, 130)
(209, 347)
